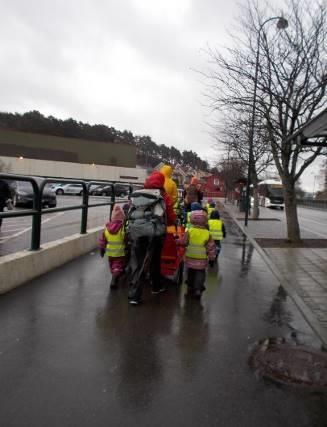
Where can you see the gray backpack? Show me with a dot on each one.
(147, 214)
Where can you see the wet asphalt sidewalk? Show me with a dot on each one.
(72, 353)
(301, 271)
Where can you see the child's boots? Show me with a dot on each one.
(114, 282)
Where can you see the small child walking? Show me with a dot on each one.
(217, 230)
(195, 206)
(210, 206)
(199, 248)
(112, 244)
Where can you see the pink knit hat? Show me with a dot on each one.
(117, 214)
(199, 218)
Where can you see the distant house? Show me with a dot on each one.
(180, 172)
(214, 186)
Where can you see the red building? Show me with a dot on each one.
(214, 186)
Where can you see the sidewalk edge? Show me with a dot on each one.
(300, 304)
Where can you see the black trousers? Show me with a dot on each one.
(196, 279)
(218, 247)
(145, 247)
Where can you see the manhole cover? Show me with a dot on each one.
(286, 363)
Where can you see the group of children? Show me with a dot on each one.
(202, 242)
(205, 230)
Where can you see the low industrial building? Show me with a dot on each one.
(52, 156)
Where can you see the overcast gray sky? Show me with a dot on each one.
(124, 63)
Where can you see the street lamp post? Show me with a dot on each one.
(281, 24)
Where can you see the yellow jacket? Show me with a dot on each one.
(170, 185)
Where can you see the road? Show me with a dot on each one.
(313, 222)
(72, 353)
(16, 232)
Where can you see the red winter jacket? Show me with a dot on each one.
(156, 181)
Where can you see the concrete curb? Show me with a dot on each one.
(21, 267)
(298, 301)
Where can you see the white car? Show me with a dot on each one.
(68, 189)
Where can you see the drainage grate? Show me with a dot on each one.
(275, 359)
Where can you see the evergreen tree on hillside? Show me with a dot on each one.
(149, 154)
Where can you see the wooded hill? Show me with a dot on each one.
(149, 154)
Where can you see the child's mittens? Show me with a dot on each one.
(102, 252)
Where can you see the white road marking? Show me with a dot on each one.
(17, 220)
(16, 224)
(311, 220)
(29, 228)
(8, 231)
(314, 232)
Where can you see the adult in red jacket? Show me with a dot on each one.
(143, 244)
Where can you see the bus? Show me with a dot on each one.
(271, 194)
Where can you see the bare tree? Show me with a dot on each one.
(291, 84)
(231, 169)
(324, 175)
(234, 135)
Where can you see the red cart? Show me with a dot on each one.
(172, 255)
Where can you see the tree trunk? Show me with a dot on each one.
(293, 229)
(255, 210)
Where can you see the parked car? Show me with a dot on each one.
(23, 194)
(105, 190)
(94, 187)
(68, 189)
(55, 185)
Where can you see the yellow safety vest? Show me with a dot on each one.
(176, 206)
(198, 239)
(115, 243)
(216, 229)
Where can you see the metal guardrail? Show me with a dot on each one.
(36, 212)
(312, 203)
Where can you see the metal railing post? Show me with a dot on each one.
(37, 217)
(85, 208)
(112, 199)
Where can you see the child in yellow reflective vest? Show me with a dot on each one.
(199, 248)
(195, 206)
(217, 230)
(112, 244)
(210, 206)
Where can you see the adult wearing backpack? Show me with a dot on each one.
(147, 231)
(192, 194)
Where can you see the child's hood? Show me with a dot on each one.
(114, 226)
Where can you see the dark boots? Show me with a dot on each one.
(195, 283)
(114, 282)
